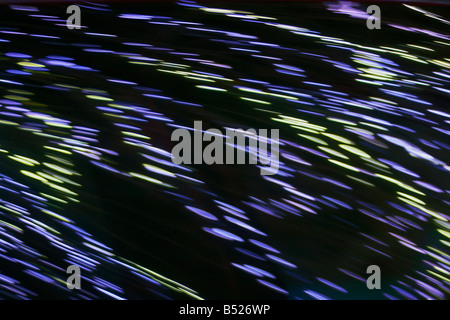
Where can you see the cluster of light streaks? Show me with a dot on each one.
(363, 175)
